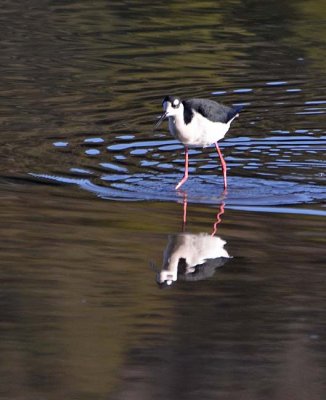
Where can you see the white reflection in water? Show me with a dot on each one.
(190, 256)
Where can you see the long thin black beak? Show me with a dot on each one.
(162, 117)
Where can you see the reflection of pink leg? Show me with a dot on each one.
(185, 203)
(218, 218)
(223, 164)
(183, 180)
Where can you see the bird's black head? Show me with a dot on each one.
(174, 101)
(171, 108)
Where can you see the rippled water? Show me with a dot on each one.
(89, 206)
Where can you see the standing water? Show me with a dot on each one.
(91, 220)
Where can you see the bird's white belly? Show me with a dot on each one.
(199, 132)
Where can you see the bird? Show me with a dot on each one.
(198, 122)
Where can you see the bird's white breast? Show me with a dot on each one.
(199, 132)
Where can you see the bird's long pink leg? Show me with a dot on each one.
(223, 164)
(185, 177)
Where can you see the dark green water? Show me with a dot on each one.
(88, 203)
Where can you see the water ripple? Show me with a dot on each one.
(202, 189)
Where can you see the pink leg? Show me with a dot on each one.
(183, 180)
(223, 164)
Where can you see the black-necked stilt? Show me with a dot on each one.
(198, 122)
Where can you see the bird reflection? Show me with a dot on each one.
(190, 256)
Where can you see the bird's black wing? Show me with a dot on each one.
(215, 112)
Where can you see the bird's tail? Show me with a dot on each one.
(233, 113)
(237, 109)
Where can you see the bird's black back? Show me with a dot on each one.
(215, 112)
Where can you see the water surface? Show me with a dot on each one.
(89, 206)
